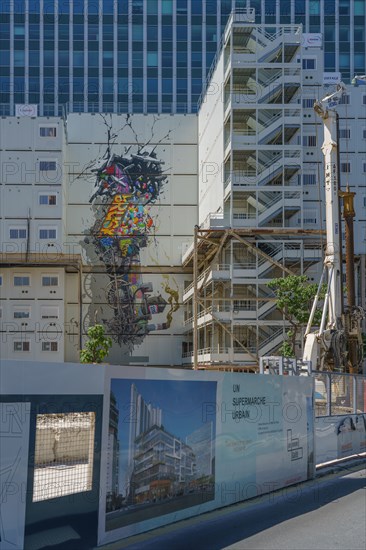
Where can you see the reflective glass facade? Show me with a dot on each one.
(145, 55)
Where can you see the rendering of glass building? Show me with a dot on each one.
(145, 55)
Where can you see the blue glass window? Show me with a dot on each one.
(93, 59)
(152, 59)
(182, 32)
(78, 59)
(152, 33)
(359, 7)
(122, 85)
(197, 7)
(93, 8)
(93, 86)
(181, 85)
(19, 31)
(166, 7)
(152, 85)
(122, 6)
(360, 61)
(211, 33)
(137, 85)
(314, 7)
(107, 6)
(137, 32)
(4, 57)
(167, 85)
(19, 58)
(196, 58)
(270, 7)
(329, 33)
(63, 58)
(196, 85)
(108, 59)
(137, 59)
(107, 85)
(152, 7)
(211, 6)
(344, 60)
(329, 7)
(344, 7)
(122, 59)
(344, 34)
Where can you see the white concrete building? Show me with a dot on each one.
(57, 275)
(97, 212)
(34, 259)
(260, 191)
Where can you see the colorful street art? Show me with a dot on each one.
(126, 188)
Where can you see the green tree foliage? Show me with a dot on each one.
(97, 347)
(295, 296)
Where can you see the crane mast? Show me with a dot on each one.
(337, 343)
(339, 329)
(333, 247)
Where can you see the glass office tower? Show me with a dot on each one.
(145, 55)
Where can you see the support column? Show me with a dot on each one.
(195, 299)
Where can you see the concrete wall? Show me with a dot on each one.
(174, 213)
(63, 439)
(211, 150)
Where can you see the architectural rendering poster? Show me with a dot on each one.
(182, 443)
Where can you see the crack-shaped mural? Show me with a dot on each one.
(126, 187)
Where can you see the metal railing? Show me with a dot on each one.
(335, 393)
(339, 393)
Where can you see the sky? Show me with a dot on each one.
(182, 403)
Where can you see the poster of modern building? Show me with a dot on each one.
(166, 449)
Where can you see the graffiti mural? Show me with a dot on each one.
(126, 187)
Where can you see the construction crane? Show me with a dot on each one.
(337, 344)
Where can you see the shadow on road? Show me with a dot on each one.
(218, 530)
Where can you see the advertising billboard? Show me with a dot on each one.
(180, 443)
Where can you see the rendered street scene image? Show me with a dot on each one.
(161, 457)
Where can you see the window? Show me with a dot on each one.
(309, 63)
(364, 167)
(47, 131)
(49, 280)
(47, 165)
(1, 280)
(309, 141)
(364, 99)
(309, 179)
(49, 312)
(18, 232)
(21, 280)
(21, 346)
(310, 220)
(345, 99)
(47, 233)
(345, 133)
(64, 454)
(49, 346)
(364, 133)
(346, 167)
(308, 103)
(21, 312)
(49, 200)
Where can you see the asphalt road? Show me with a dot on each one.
(327, 513)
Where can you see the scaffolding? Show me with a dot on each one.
(227, 302)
